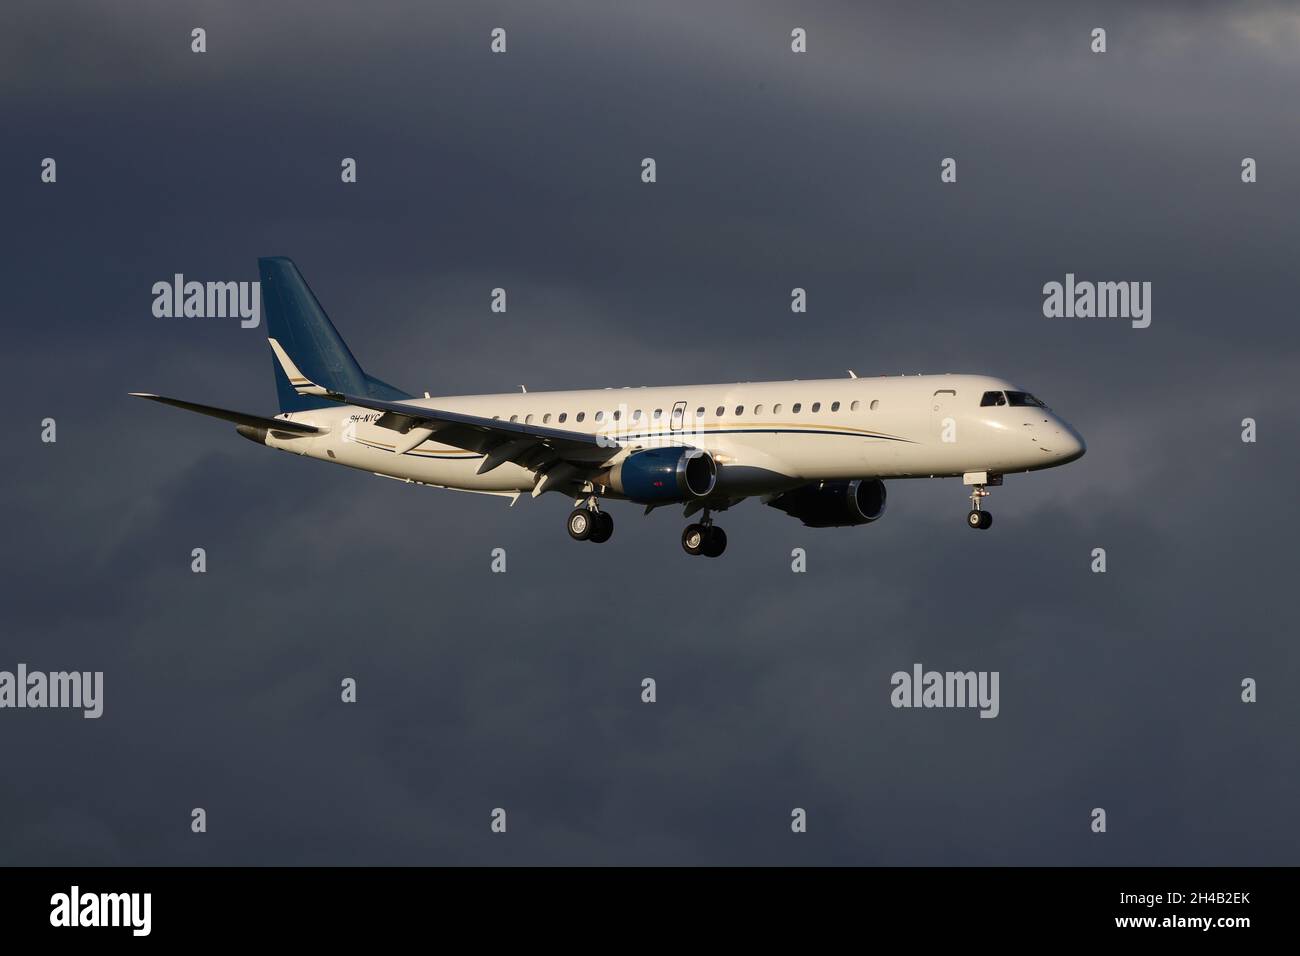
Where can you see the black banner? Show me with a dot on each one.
(361, 904)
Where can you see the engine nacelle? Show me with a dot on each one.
(665, 474)
(834, 504)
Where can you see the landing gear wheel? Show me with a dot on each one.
(581, 524)
(693, 539)
(603, 527)
(978, 518)
(715, 541)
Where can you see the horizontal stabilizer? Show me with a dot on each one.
(239, 418)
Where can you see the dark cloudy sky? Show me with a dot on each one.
(481, 690)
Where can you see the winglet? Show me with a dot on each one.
(301, 383)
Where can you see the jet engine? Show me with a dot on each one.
(664, 475)
(834, 504)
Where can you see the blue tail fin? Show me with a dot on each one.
(296, 320)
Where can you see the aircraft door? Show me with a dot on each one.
(943, 418)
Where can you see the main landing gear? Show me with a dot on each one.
(977, 518)
(589, 524)
(704, 538)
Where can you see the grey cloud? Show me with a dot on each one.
(481, 690)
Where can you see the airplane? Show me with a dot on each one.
(818, 450)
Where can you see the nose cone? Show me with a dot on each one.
(1069, 444)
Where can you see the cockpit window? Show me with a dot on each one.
(1024, 398)
(993, 398)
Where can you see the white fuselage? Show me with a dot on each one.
(764, 436)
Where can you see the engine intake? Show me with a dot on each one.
(665, 474)
(834, 504)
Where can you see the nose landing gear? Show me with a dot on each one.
(977, 518)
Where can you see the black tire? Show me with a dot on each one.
(988, 520)
(693, 539)
(580, 524)
(715, 542)
(603, 527)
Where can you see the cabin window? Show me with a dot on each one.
(776, 409)
(600, 416)
(563, 416)
(835, 406)
(618, 413)
(528, 419)
(992, 398)
(722, 410)
(580, 416)
(875, 403)
(854, 406)
(546, 419)
(794, 409)
(758, 409)
(740, 409)
(817, 406)
(659, 413)
(699, 412)
(514, 418)
(636, 415)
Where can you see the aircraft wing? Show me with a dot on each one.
(537, 447)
